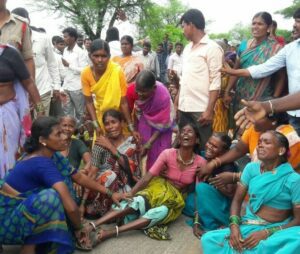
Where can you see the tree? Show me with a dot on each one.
(157, 21)
(289, 11)
(93, 15)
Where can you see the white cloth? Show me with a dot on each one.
(115, 48)
(200, 74)
(175, 63)
(77, 60)
(46, 68)
(287, 57)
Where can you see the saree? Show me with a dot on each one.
(107, 91)
(37, 217)
(155, 114)
(15, 124)
(279, 189)
(255, 89)
(112, 175)
(160, 202)
(131, 66)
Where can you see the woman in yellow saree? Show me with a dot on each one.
(104, 86)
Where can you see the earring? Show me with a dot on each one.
(43, 143)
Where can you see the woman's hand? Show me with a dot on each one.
(205, 171)
(221, 180)
(197, 231)
(117, 197)
(252, 240)
(136, 137)
(92, 173)
(236, 241)
(145, 148)
(104, 142)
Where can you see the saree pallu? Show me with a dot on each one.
(255, 89)
(221, 117)
(15, 124)
(36, 217)
(131, 66)
(212, 206)
(155, 114)
(107, 90)
(264, 189)
(160, 192)
(113, 176)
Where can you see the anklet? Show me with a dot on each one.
(117, 231)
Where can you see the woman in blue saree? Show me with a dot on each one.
(210, 205)
(271, 224)
(37, 202)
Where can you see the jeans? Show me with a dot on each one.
(74, 105)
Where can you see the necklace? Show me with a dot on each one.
(185, 163)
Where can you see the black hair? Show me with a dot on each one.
(22, 12)
(87, 39)
(112, 34)
(195, 17)
(182, 124)
(178, 44)
(80, 36)
(274, 23)
(128, 38)
(113, 113)
(99, 44)
(226, 140)
(267, 17)
(160, 44)
(41, 127)
(147, 44)
(72, 32)
(145, 79)
(296, 14)
(282, 142)
(57, 39)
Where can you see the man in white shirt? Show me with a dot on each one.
(74, 59)
(113, 40)
(175, 60)
(149, 59)
(46, 69)
(201, 79)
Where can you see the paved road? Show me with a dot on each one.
(135, 242)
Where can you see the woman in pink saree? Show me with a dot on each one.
(154, 115)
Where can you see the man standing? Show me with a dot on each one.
(46, 69)
(149, 59)
(175, 61)
(15, 31)
(201, 80)
(74, 59)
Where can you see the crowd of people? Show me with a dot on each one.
(95, 132)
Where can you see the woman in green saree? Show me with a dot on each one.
(272, 221)
(253, 52)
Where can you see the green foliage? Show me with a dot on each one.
(237, 33)
(157, 21)
(285, 33)
(289, 11)
(92, 15)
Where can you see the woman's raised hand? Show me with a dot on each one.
(104, 142)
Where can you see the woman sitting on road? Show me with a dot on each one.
(157, 198)
(272, 221)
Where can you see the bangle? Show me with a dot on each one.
(218, 160)
(233, 177)
(130, 127)
(147, 145)
(273, 230)
(118, 155)
(95, 124)
(109, 193)
(234, 220)
(39, 107)
(93, 225)
(271, 107)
